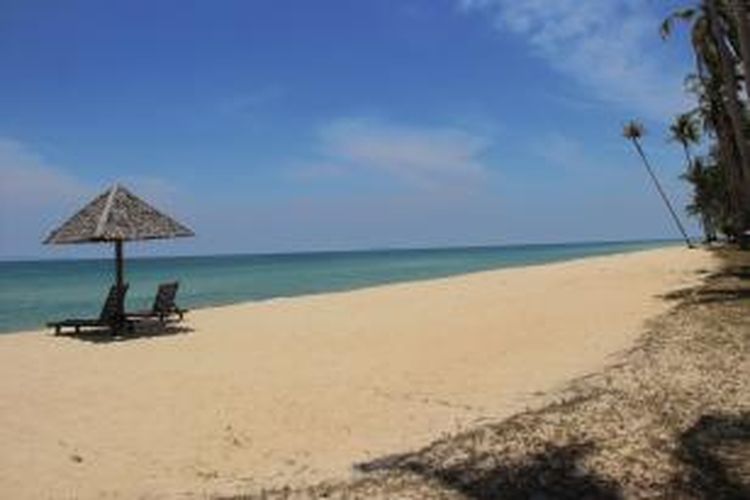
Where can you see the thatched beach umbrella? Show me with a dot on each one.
(116, 216)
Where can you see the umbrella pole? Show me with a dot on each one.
(119, 282)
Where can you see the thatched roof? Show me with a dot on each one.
(117, 214)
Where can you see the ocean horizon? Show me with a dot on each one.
(33, 292)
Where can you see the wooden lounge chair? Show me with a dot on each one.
(164, 307)
(107, 318)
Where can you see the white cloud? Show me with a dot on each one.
(36, 195)
(611, 47)
(28, 181)
(427, 157)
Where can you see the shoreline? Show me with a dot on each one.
(282, 298)
(645, 427)
(297, 390)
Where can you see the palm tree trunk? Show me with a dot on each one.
(734, 109)
(740, 11)
(729, 158)
(708, 228)
(661, 192)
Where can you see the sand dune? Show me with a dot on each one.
(298, 390)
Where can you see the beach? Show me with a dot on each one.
(296, 391)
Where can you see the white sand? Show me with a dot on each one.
(298, 390)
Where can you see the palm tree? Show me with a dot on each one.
(685, 130)
(709, 195)
(727, 66)
(695, 176)
(633, 131)
(715, 41)
(724, 154)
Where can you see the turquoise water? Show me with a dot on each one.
(33, 292)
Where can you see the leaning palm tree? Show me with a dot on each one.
(633, 131)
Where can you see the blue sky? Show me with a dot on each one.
(291, 125)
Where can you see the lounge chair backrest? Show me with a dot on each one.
(109, 310)
(164, 300)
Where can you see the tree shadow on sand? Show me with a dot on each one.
(738, 271)
(716, 453)
(730, 284)
(557, 472)
(720, 295)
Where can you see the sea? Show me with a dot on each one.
(34, 292)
